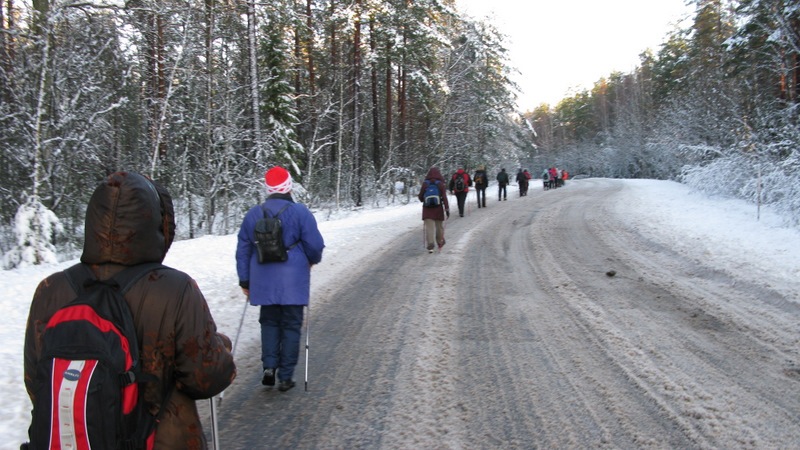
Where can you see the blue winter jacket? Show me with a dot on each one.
(280, 283)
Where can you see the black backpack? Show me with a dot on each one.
(459, 184)
(88, 383)
(432, 196)
(269, 238)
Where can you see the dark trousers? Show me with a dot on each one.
(480, 192)
(280, 338)
(461, 197)
(501, 192)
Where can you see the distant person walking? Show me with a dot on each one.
(435, 208)
(522, 182)
(280, 289)
(502, 182)
(459, 185)
(546, 179)
(481, 182)
(553, 172)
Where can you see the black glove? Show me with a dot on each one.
(447, 211)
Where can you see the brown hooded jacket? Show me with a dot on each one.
(129, 221)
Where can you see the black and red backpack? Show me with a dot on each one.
(459, 182)
(88, 385)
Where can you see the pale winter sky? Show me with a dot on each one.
(562, 45)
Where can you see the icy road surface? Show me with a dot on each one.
(516, 336)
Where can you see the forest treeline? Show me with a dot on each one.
(355, 95)
(716, 107)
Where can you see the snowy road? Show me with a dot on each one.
(515, 337)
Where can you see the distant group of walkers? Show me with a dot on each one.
(436, 207)
(554, 177)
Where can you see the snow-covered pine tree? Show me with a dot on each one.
(35, 228)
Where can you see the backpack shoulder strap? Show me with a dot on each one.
(283, 209)
(78, 275)
(266, 211)
(130, 275)
(279, 213)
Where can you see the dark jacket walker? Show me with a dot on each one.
(481, 181)
(522, 182)
(502, 182)
(461, 195)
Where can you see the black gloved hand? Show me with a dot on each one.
(447, 211)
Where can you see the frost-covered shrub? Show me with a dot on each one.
(768, 181)
(723, 176)
(780, 188)
(35, 228)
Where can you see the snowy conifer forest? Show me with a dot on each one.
(359, 96)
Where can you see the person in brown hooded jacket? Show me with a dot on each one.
(434, 217)
(130, 221)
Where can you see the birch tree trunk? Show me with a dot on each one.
(339, 147)
(41, 29)
(261, 155)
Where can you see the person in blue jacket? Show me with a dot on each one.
(281, 289)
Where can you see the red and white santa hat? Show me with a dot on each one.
(278, 180)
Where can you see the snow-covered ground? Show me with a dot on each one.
(726, 232)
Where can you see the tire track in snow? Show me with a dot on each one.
(553, 376)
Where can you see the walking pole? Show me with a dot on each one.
(236, 340)
(444, 227)
(239, 330)
(308, 319)
(214, 426)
